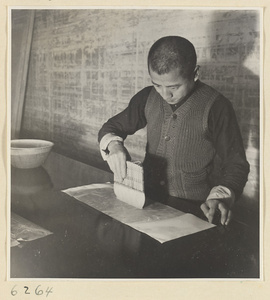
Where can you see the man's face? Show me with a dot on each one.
(171, 86)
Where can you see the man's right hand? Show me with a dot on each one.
(117, 160)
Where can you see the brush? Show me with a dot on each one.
(131, 189)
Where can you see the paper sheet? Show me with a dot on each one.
(157, 220)
(24, 230)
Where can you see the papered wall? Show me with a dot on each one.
(85, 65)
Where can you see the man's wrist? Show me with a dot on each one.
(104, 144)
(222, 193)
(113, 144)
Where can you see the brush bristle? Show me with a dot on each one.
(129, 195)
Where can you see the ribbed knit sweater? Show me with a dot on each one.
(179, 153)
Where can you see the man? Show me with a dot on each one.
(194, 146)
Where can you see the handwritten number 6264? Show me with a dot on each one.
(38, 291)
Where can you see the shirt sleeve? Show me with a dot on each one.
(225, 133)
(126, 122)
(221, 193)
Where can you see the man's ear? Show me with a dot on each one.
(196, 72)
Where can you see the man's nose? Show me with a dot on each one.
(166, 93)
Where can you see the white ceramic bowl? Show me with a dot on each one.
(29, 153)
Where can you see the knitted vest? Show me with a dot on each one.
(179, 152)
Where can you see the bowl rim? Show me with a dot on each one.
(45, 142)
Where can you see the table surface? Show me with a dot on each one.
(89, 244)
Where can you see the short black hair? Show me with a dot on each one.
(172, 52)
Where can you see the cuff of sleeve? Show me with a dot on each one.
(221, 192)
(105, 141)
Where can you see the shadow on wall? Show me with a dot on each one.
(232, 66)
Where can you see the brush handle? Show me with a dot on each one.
(134, 178)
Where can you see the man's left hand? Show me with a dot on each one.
(211, 206)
